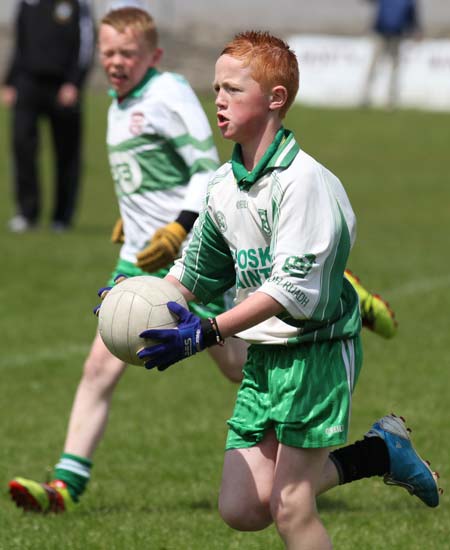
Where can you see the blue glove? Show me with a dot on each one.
(102, 292)
(191, 336)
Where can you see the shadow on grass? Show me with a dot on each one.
(329, 504)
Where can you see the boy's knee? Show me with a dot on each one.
(242, 517)
(93, 369)
(101, 371)
(289, 516)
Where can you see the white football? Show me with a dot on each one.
(134, 305)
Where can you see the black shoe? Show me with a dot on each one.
(60, 227)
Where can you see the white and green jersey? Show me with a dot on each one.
(161, 154)
(285, 229)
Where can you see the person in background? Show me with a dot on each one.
(53, 53)
(394, 20)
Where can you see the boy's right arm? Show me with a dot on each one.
(194, 334)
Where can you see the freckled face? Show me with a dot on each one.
(125, 57)
(242, 106)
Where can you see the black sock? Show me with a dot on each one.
(366, 458)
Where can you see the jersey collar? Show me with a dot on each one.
(138, 90)
(280, 153)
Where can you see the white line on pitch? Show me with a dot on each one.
(49, 354)
(419, 285)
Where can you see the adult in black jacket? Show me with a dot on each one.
(54, 45)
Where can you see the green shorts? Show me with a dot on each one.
(303, 393)
(129, 269)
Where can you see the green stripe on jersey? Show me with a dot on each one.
(334, 266)
(147, 141)
(150, 163)
(216, 268)
(201, 145)
(203, 165)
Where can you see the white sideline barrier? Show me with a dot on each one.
(333, 71)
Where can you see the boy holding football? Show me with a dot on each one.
(162, 156)
(279, 226)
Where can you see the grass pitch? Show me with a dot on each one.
(157, 471)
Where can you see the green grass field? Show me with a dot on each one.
(157, 471)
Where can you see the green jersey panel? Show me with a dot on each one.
(208, 254)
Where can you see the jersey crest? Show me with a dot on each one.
(137, 122)
(264, 222)
(221, 221)
(299, 266)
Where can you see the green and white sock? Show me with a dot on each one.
(75, 471)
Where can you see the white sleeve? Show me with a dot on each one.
(188, 131)
(310, 247)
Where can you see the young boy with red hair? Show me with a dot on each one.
(279, 226)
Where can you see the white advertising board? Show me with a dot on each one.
(333, 72)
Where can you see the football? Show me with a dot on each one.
(134, 305)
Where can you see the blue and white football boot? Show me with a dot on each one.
(407, 469)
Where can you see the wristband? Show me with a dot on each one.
(187, 219)
(211, 333)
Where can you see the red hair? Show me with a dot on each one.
(272, 62)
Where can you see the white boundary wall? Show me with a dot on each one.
(218, 18)
(333, 71)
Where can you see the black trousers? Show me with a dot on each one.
(36, 98)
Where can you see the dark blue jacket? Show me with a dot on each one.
(54, 39)
(396, 17)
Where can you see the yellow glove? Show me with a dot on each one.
(163, 248)
(117, 234)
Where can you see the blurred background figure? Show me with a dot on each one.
(117, 4)
(54, 46)
(394, 20)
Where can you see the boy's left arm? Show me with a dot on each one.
(194, 334)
